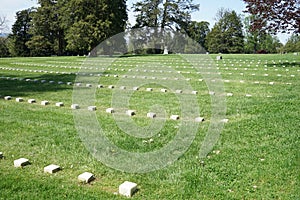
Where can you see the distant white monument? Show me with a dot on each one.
(166, 50)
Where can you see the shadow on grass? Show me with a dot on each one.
(286, 64)
(25, 88)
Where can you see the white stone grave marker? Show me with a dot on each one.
(86, 177)
(199, 119)
(149, 89)
(51, 169)
(151, 115)
(7, 98)
(130, 112)
(21, 162)
(31, 101)
(194, 92)
(59, 104)
(92, 108)
(75, 106)
(163, 90)
(110, 110)
(127, 188)
(44, 103)
(174, 117)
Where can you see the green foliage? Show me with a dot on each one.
(293, 44)
(168, 13)
(198, 32)
(227, 34)
(259, 41)
(4, 52)
(20, 34)
(69, 27)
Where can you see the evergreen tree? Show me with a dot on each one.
(227, 34)
(20, 34)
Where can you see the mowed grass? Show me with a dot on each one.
(256, 156)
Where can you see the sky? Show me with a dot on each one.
(207, 12)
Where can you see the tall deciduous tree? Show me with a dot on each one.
(293, 44)
(280, 15)
(164, 13)
(174, 14)
(198, 32)
(3, 24)
(259, 41)
(227, 34)
(20, 34)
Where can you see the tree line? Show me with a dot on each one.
(72, 27)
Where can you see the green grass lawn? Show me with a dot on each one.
(256, 157)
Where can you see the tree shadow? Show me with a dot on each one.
(18, 86)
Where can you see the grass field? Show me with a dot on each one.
(256, 157)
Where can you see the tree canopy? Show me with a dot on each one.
(68, 27)
(275, 15)
(227, 34)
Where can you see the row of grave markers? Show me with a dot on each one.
(127, 188)
(108, 110)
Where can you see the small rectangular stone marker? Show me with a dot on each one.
(135, 88)
(86, 177)
(174, 117)
(149, 89)
(110, 110)
(44, 103)
(88, 85)
(130, 112)
(78, 84)
(31, 101)
(151, 115)
(19, 99)
(211, 93)
(127, 188)
(59, 104)
(69, 83)
(248, 95)
(1, 155)
(21, 162)
(75, 106)
(229, 94)
(123, 87)
(100, 86)
(43, 81)
(51, 82)
(224, 120)
(92, 108)
(178, 91)
(51, 169)
(60, 82)
(163, 90)
(199, 119)
(194, 92)
(7, 98)
(111, 86)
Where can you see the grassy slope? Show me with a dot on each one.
(258, 159)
